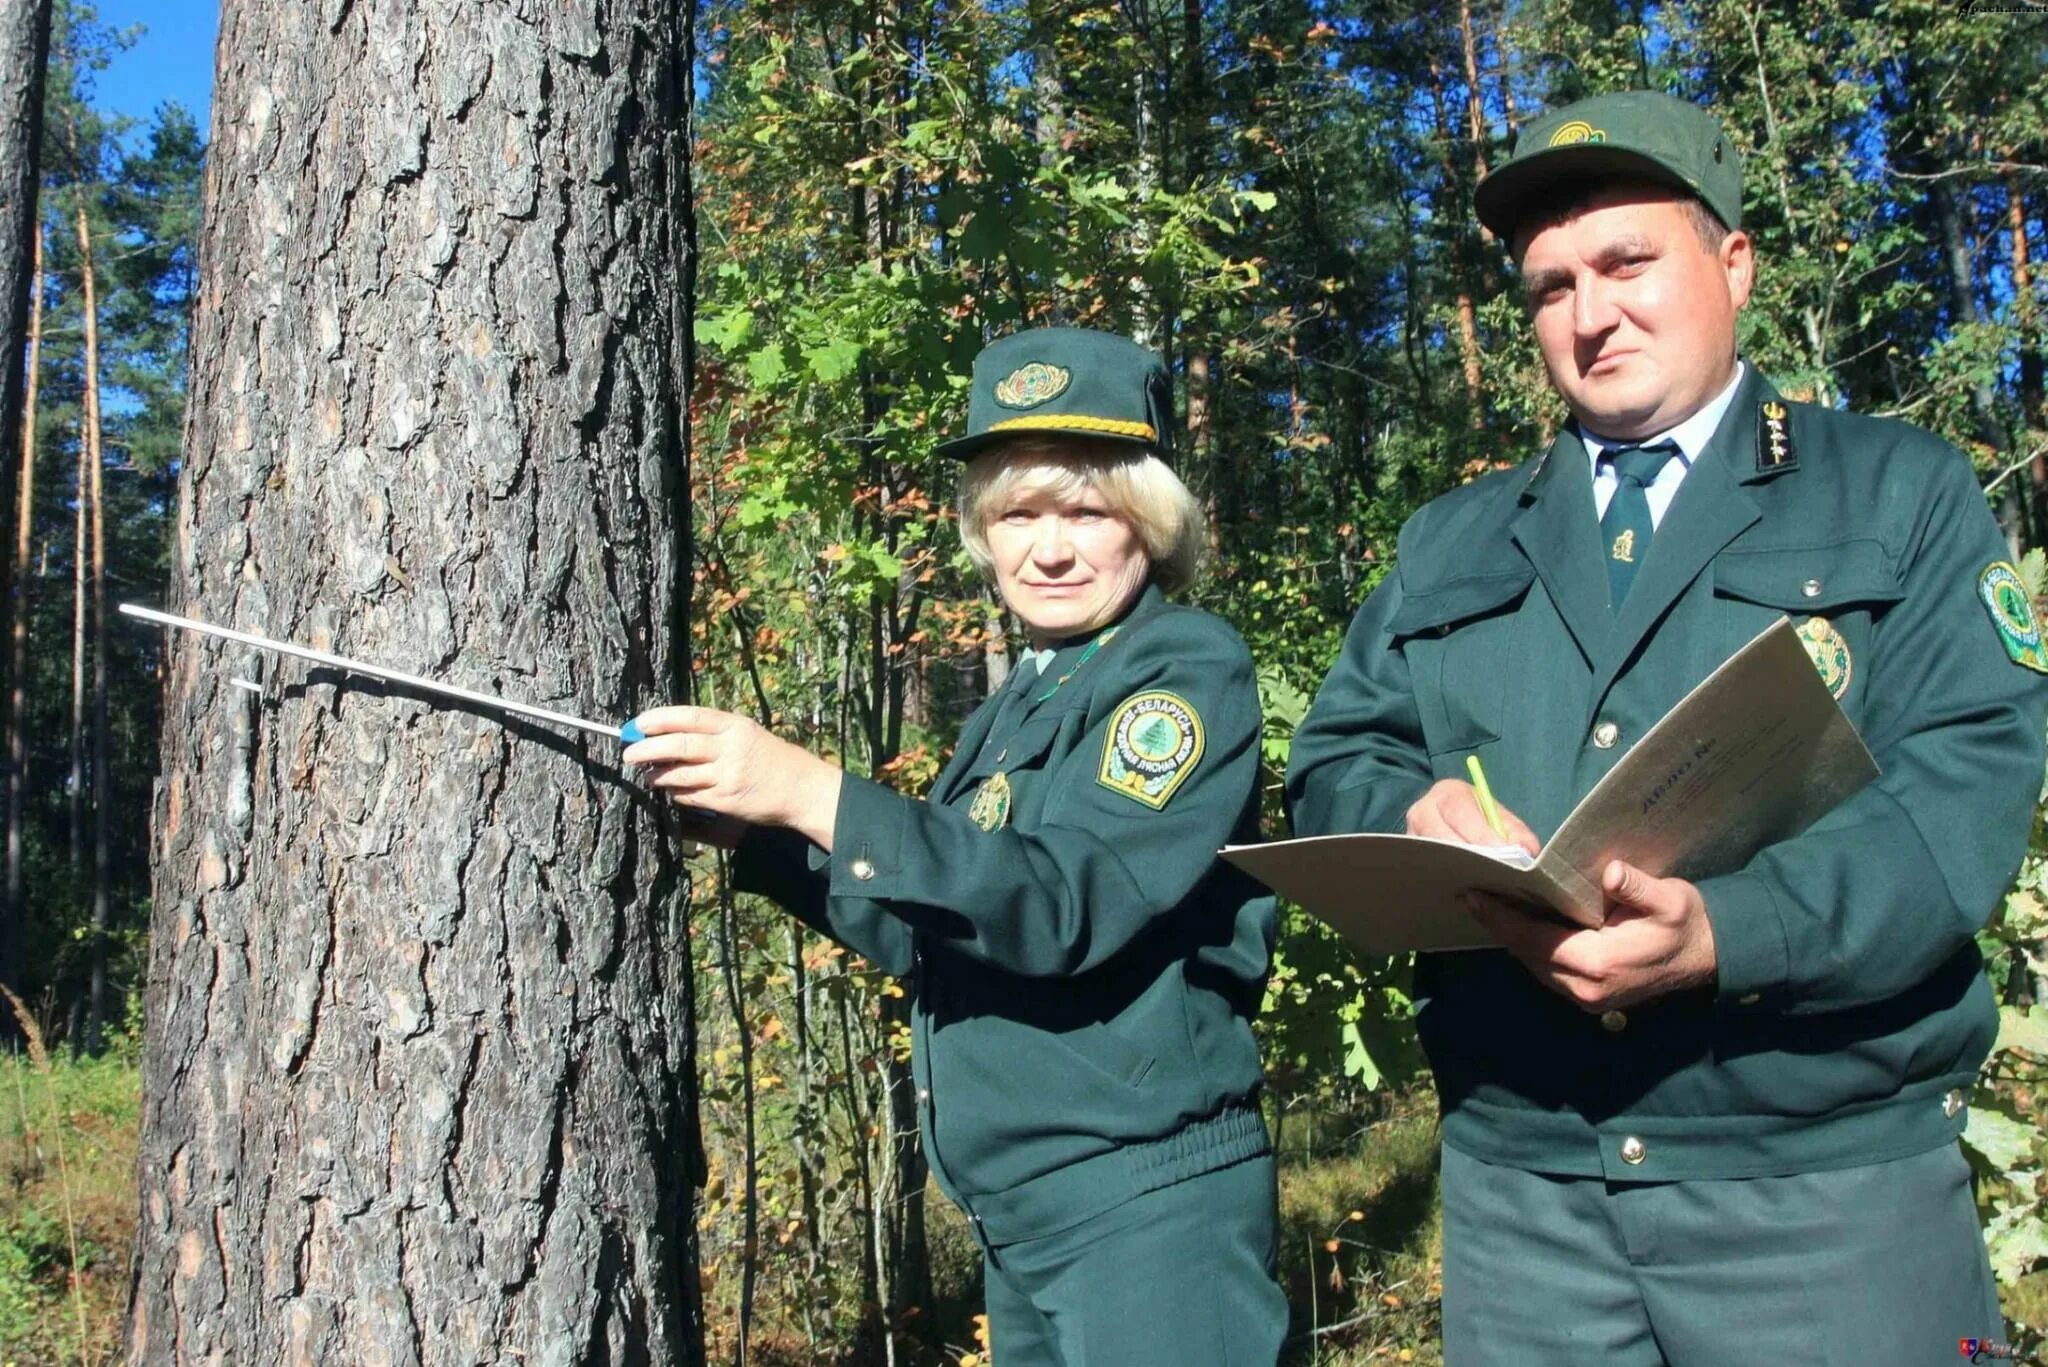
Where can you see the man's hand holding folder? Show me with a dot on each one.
(1716, 780)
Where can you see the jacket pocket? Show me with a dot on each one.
(1805, 581)
(1460, 640)
(1834, 594)
(1023, 748)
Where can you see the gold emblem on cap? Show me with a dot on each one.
(1031, 385)
(1577, 131)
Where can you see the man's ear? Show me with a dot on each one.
(1738, 262)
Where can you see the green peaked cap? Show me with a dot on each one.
(1633, 133)
(1067, 380)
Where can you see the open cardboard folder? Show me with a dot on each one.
(1753, 755)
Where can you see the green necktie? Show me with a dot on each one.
(1013, 699)
(1626, 528)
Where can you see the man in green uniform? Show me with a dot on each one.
(1722, 1128)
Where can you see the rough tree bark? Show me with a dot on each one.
(418, 1079)
(24, 57)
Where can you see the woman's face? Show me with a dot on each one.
(1064, 563)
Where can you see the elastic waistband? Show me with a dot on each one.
(1066, 1196)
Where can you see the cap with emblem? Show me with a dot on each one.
(1629, 133)
(1071, 380)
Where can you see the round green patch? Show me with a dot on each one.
(2012, 612)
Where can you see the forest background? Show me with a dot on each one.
(1274, 194)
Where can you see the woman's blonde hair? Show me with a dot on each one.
(1136, 485)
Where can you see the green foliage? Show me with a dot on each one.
(2009, 1116)
(137, 191)
(91, 1110)
(1278, 198)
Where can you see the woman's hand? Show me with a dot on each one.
(718, 762)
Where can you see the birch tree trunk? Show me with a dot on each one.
(418, 1083)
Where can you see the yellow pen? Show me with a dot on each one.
(1486, 802)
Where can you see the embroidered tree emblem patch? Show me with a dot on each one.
(1155, 740)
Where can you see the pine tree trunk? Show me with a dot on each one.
(1148, 324)
(2027, 314)
(92, 454)
(1468, 309)
(24, 58)
(418, 1083)
(17, 662)
(81, 497)
(1955, 255)
(1475, 108)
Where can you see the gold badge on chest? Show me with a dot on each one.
(1829, 653)
(991, 807)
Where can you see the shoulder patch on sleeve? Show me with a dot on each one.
(1155, 740)
(2012, 612)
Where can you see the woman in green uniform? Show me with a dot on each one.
(1083, 968)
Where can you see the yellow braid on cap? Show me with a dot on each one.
(1075, 422)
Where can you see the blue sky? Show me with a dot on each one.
(173, 59)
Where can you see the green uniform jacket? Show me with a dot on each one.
(1850, 999)
(1084, 974)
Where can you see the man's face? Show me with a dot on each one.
(1634, 314)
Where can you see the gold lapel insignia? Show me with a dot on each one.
(1774, 449)
(991, 807)
(1829, 653)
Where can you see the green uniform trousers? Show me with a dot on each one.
(1874, 1266)
(1181, 1276)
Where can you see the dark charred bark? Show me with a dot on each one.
(418, 1082)
(24, 58)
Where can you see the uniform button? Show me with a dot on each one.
(1606, 735)
(1749, 999)
(1614, 1022)
(1811, 588)
(924, 1094)
(861, 869)
(1633, 1151)
(1952, 1103)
